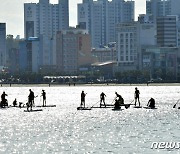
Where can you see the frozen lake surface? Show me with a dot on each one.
(63, 129)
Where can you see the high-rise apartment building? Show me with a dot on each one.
(3, 55)
(162, 7)
(100, 18)
(45, 18)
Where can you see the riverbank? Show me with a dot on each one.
(83, 84)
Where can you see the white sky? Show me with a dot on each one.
(12, 13)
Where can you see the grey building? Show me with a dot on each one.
(44, 18)
(167, 31)
(100, 18)
(160, 62)
(3, 54)
(162, 8)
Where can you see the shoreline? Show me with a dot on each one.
(83, 84)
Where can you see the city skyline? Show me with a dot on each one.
(14, 18)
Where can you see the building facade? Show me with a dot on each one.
(159, 8)
(130, 38)
(37, 55)
(167, 31)
(73, 50)
(44, 18)
(161, 62)
(100, 18)
(105, 54)
(3, 54)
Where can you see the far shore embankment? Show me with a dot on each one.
(83, 84)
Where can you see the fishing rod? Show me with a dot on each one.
(176, 103)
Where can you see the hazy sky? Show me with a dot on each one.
(12, 13)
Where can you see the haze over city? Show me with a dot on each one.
(12, 13)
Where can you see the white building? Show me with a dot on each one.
(100, 18)
(45, 18)
(130, 38)
(3, 54)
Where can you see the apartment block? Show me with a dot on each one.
(44, 18)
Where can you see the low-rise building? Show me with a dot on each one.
(161, 62)
(37, 55)
(104, 54)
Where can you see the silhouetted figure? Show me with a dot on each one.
(136, 95)
(147, 83)
(83, 95)
(20, 104)
(15, 102)
(44, 97)
(117, 96)
(151, 103)
(30, 99)
(4, 100)
(118, 101)
(102, 99)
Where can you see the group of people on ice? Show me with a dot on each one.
(119, 101)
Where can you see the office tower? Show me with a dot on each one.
(45, 18)
(167, 35)
(100, 18)
(3, 55)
